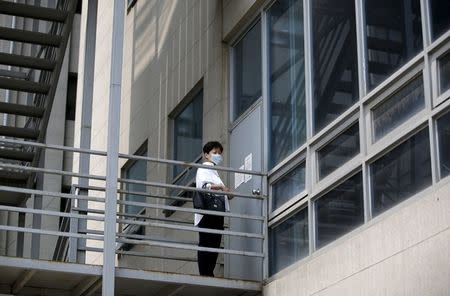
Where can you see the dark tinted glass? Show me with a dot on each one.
(443, 124)
(288, 241)
(394, 36)
(401, 173)
(188, 130)
(440, 17)
(287, 78)
(338, 151)
(398, 108)
(288, 186)
(334, 59)
(137, 171)
(247, 70)
(340, 210)
(444, 73)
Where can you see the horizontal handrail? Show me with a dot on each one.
(190, 210)
(50, 193)
(191, 247)
(191, 228)
(49, 213)
(50, 232)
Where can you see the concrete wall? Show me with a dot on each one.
(405, 251)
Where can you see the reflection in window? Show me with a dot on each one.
(288, 241)
(188, 130)
(338, 151)
(247, 66)
(287, 78)
(340, 210)
(398, 108)
(443, 126)
(439, 17)
(401, 173)
(137, 170)
(335, 59)
(394, 36)
(444, 73)
(288, 186)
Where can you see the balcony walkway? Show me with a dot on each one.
(32, 277)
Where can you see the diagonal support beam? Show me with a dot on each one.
(84, 285)
(22, 280)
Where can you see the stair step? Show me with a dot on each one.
(29, 37)
(32, 11)
(19, 132)
(19, 109)
(13, 74)
(14, 175)
(16, 155)
(26, 62)
(24, 85)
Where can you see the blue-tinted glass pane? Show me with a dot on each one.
(334, 59)
(398, 108)
(288, 241)
(401, 172)
(137, 171)
(339, 211)
(287, 78)
(394, 36)
(440, 18)
(188, 130)
(247, 70)
(444, 73)
(288, 186)
(339, 151)
(443, 124)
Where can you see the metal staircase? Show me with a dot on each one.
(35, 76)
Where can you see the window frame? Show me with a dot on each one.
(435, 81)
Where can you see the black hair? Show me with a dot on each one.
(211, 145)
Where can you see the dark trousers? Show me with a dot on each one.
(207, 260)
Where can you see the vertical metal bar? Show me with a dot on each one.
(265, 140)
(37, 223)
(426, 24)
(309, 85)
(86, 120)
(361, 47)
(112, 161)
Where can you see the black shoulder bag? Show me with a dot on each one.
(209, 201)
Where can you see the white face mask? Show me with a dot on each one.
(216, 158)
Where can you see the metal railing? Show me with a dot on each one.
(78, 233)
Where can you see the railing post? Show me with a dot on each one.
(112, 161)
(86, 115)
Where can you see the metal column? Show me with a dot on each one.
(113, 149)
(86, 120)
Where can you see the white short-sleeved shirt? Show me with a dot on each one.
(211, 177)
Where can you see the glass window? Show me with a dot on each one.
(439, 17)
(287, 78)
(444, 73)
(443, 126)
(247, 66)
(334, 59)
(339, 211)
(188, 130)
(338, 151)
(288, 186)
(401, 172)
(398, 108)
(136, 171)
(394, 36)
(288, 241)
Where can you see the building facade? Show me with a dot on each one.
(345, 104)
